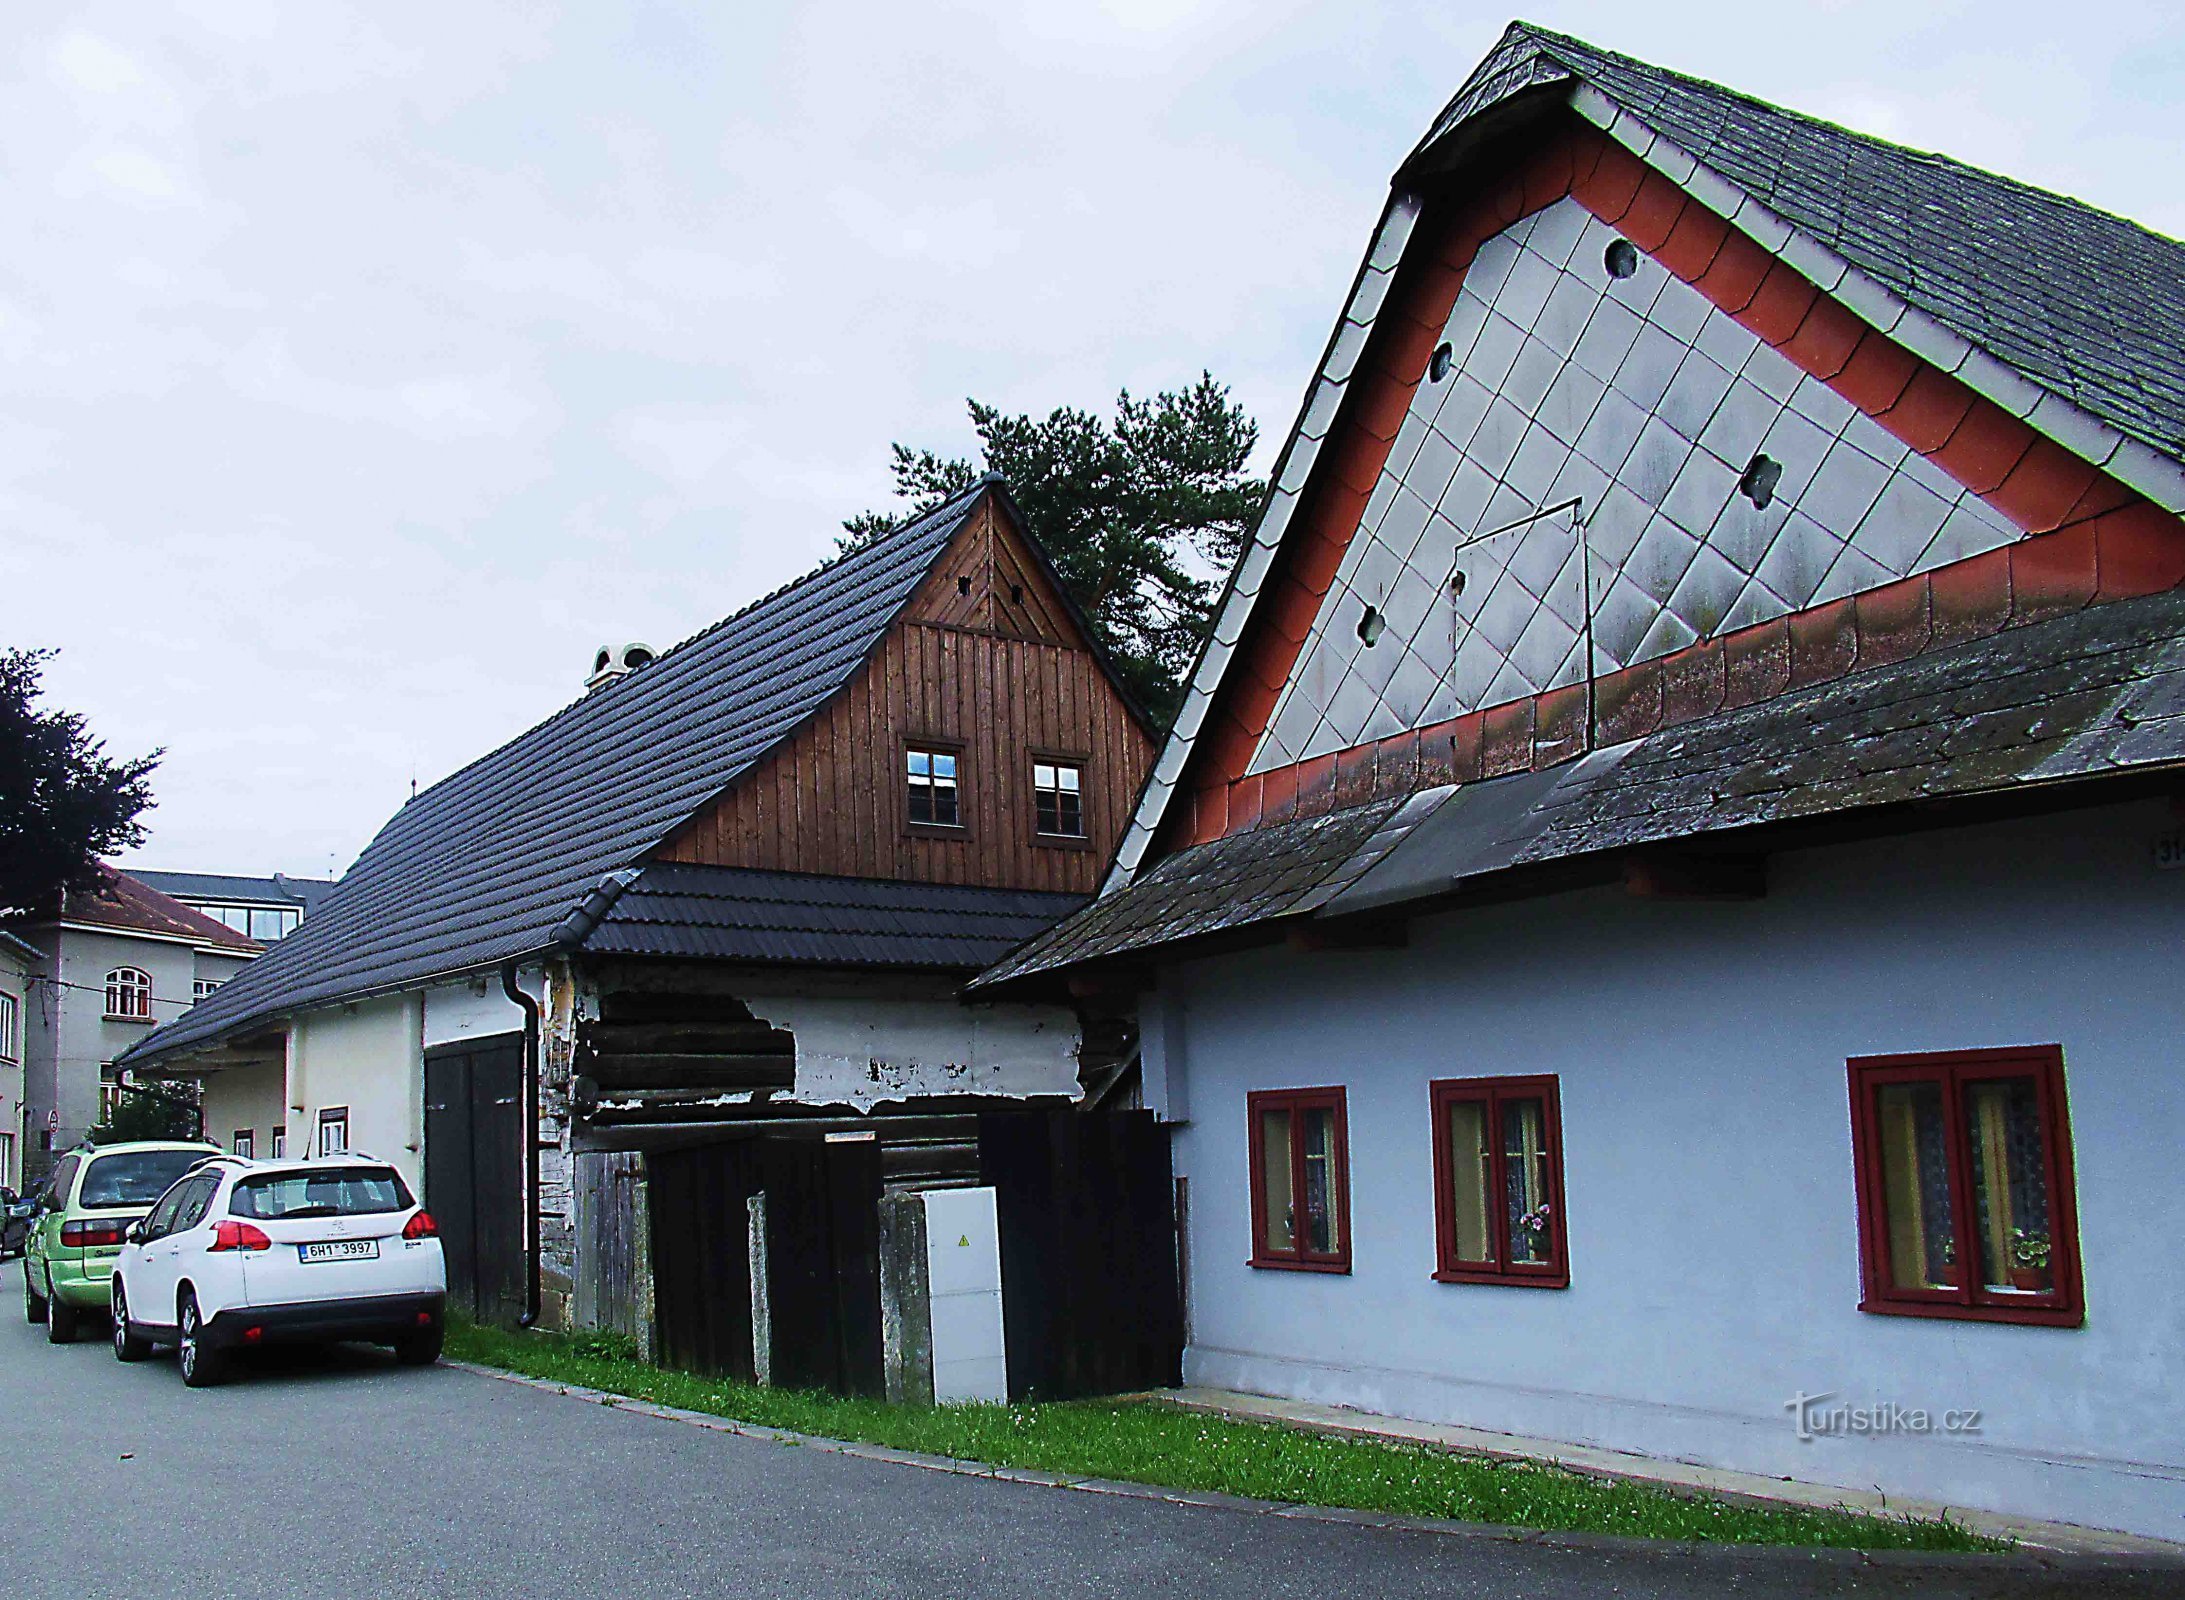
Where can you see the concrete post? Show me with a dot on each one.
(762, 1316)
(906, 1306)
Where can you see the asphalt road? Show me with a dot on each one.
(342, 1475)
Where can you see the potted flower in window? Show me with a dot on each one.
(1533, 1234)
(2029, 1269)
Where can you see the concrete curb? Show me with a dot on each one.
(2060, 1562)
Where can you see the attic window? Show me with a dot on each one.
(1444, 358)
(1621, 258)
(1016, 594)
(1456, 584)
(1762, 474)
(1371, 626)
(963, 585)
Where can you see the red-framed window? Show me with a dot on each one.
(1965, 1190)
(1300, 1180)
(1498, 1182)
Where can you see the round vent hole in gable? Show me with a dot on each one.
(1621, 258)
(1438, 368)
(1762, 474)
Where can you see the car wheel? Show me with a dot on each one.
(202, 1366)
(61, 1319)
(34, 1303)
(419, 1349)
(127, 1346)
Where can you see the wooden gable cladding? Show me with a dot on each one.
(1021, 685)
(989, 582)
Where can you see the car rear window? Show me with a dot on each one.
(135, 1177)
(329, 1192)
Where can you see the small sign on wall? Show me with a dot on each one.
(2170, 850)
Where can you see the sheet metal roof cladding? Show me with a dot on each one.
(487, 864)
(2085, 304)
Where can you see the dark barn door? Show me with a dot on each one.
(474, 1171)
(701, 1256)
(1091, 1298)
(823, 1264)
(822, 1255)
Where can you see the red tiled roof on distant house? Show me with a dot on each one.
(124, 904)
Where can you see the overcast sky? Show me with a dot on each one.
(363, 369)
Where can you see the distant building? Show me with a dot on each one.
(264, 909)
(104, 968)
(16, 960)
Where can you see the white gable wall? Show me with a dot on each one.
(1642, 397)
(1701, 1052)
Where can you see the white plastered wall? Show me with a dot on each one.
(368, 1057)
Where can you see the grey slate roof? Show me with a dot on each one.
(485, 865)
(2083, 303)
(730, 914)
(2098, 693)
(279, 889)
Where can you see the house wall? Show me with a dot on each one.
(253, 1097)
(366, 1056)
(14, 983)
(1001, 683)
(70, 1038)
(1713, 1240)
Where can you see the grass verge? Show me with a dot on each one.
(1140, 1442)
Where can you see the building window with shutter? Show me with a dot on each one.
(1965, 1189)
(1498, 1182)
(1300, 1180)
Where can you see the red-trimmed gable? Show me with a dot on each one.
(1308, 716)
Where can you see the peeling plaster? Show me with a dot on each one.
(862, 1052)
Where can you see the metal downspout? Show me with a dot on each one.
(530, 1144)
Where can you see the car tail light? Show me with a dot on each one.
(233, 1235)
(421, 1226)
(93, 1234)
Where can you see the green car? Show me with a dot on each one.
(83, 1211)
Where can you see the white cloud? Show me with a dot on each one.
(85, 61)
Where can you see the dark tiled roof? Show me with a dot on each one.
(2097, 693)
(485, 865)
(729, 914)
(276, 890)
(128, 905)
(2085, 304)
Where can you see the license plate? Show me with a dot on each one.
(339, 1250)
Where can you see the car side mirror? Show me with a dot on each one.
(135, 1235)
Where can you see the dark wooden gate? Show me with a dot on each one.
(823, 1264)
(1091, 1298)
(701, 1255)
(823, 1259)
(474, 1171)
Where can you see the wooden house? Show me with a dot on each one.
(728, 894)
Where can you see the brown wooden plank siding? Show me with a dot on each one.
(832, 798)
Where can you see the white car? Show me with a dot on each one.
(239, 1254)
